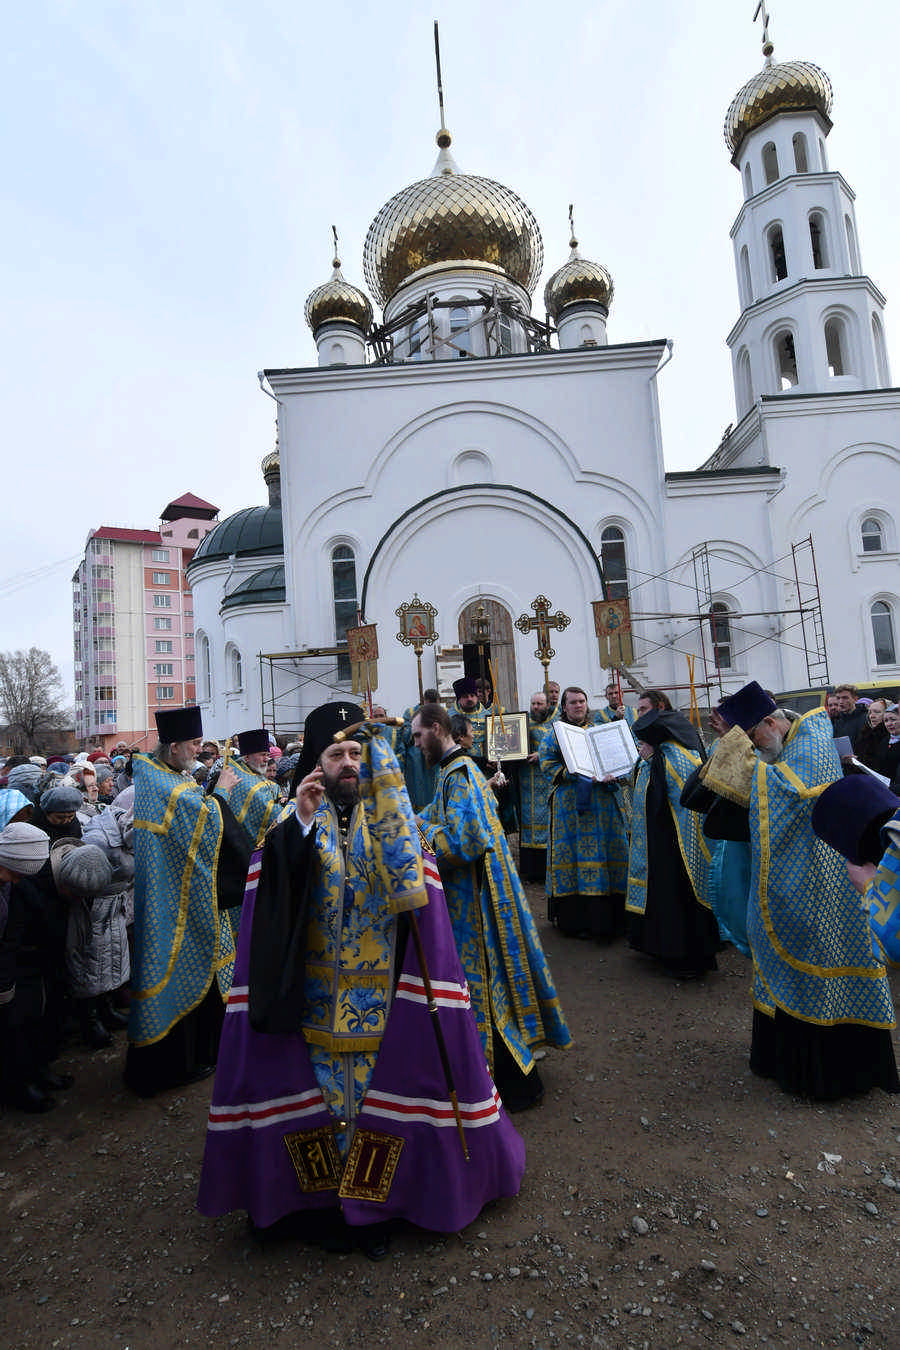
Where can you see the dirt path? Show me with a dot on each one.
(671, 1198)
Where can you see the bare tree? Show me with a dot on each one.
(30, 698)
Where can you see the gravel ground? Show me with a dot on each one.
(670, 1198)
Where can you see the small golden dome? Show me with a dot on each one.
(788, 86)
(577, 280)
(337, 301)
(271, 463)
(451, 217)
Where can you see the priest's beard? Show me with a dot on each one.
(342, 788)
(769, 753)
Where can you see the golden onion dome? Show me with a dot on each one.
(451, 217)
(785, 86)
(577, 281)
(271, 463)
(338, 301)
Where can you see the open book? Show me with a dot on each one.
(597, 751)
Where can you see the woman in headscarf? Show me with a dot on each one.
(56, 811)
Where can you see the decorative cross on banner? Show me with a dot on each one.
(541, 623)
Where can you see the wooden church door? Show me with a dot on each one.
(500, 648)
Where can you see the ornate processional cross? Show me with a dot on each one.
(541, 624)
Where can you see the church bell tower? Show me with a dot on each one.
(811, 321)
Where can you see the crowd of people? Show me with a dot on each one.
(338, 929)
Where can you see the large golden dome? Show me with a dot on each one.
(451, 217)
(338, 301)
(788, 86)
(578, 280)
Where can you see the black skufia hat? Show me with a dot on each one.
(319, 731)
(849, 814)
(253, 742)
(179, 724)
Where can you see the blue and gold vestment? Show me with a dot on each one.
(812, 948)
(699, 856)
(509, 980)
(883, 894)
(254, 801)
(587, 851)
(534, 790)
(181, 943)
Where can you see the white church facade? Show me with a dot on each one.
(468, 453)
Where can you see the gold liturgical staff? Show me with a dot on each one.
(541, 624)
(417, 629)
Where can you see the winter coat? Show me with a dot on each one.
(97, 944)
(113, 831)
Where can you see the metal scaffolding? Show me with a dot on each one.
(800, 625)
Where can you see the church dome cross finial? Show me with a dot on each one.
(443, 136)
(573, 241)
(767, 45)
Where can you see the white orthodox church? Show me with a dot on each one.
(468, 453)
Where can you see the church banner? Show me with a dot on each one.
(362, 648)
(612, 624)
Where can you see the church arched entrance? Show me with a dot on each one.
(500, 647)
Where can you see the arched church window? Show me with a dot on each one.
(505, 332)
(770, 162)
(746, 279)
(460, 334)
(872, 535)
(613, 562)
(852, 250)
(823, 158)
(235, 669)
(346, 611)
(818, 241)
(786, 360)
(204, 668)
(801, 163)
(836, 346)
(881, 362)
(337, 357)
(882, 616)
(748, 180)
(777, 255)
(744, 382)
(720, 631)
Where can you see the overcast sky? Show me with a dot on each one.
(172, 172)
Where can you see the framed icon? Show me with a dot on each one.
(506, 737)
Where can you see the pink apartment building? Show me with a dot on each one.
(134, 624)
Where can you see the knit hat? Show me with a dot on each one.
(103, 772)
(60, 798)
(96, 755)
(24, 776)
(39, 759)
(23, 848)
(83, 869)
